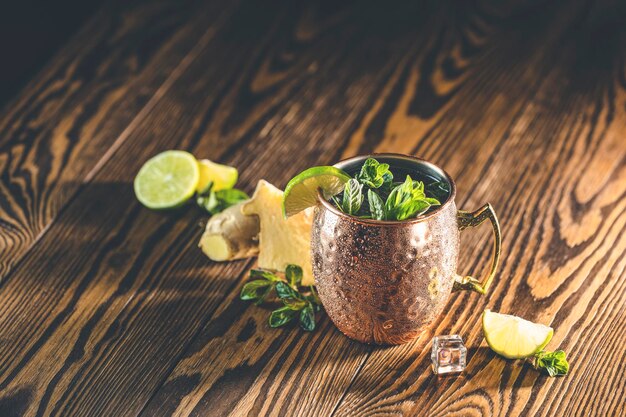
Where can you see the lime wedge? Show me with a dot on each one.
(514, 337)
(167, 180)
(223, 177)
(301, 191)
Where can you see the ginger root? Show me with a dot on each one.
(231, 235)
(281, 241)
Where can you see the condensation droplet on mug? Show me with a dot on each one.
(395, 276)
(398, 258)
(433, 285)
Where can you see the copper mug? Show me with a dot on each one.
(383, 282)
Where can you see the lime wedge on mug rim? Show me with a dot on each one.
(301, 191)
(514, 337)
(167, 180)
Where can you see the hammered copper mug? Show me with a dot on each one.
(383, 282)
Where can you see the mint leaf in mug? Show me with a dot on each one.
(408, 200)
(352, 197)
(377, 206)
(438, 189)
(374, 174)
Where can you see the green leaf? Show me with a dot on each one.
(387, 182)
(411, 208)
(440, 190)
(374, 174)
(377, 206)
(207, 190)
(553, 363)
(401, 194)
(282, 316)
(264, 294)
(408, 200)
(209, 203)
(283, 290)
(261, 273)
(218, 201)
(313, 297)
(295, 304)
(337, 203)
(293, 273)
(251, 290)
(432, 201)
(307, 318)
(231, 196)
(352, 197)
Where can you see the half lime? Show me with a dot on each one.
(167, 180)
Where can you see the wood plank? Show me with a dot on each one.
(80, 108)
(291, 373)
(95, 325)
(31, 33)
(566, 215)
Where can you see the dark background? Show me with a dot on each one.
(31, 32)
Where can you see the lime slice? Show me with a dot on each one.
(223, 177)
(301, 191)
(514, 337)
(167, 180)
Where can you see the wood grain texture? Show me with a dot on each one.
(57, 133)
(114, 311)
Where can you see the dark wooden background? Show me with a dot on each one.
(109, 309)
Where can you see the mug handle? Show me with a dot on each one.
(467, 219)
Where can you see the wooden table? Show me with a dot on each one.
(109, 309)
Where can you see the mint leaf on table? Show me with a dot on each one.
(256, 290)
(282, 316)
(298, 302)
(283, 290)
(293, 273)
(217, 201)
(553, 363)
(307, 318)
(352, 197)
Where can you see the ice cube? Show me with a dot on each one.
(448, 354)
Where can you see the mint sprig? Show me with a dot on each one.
(298, 302)
(385, 199)
(217, 201)
(553, 363)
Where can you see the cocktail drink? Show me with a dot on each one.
(383, 280)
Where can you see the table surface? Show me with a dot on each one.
(109, 309)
